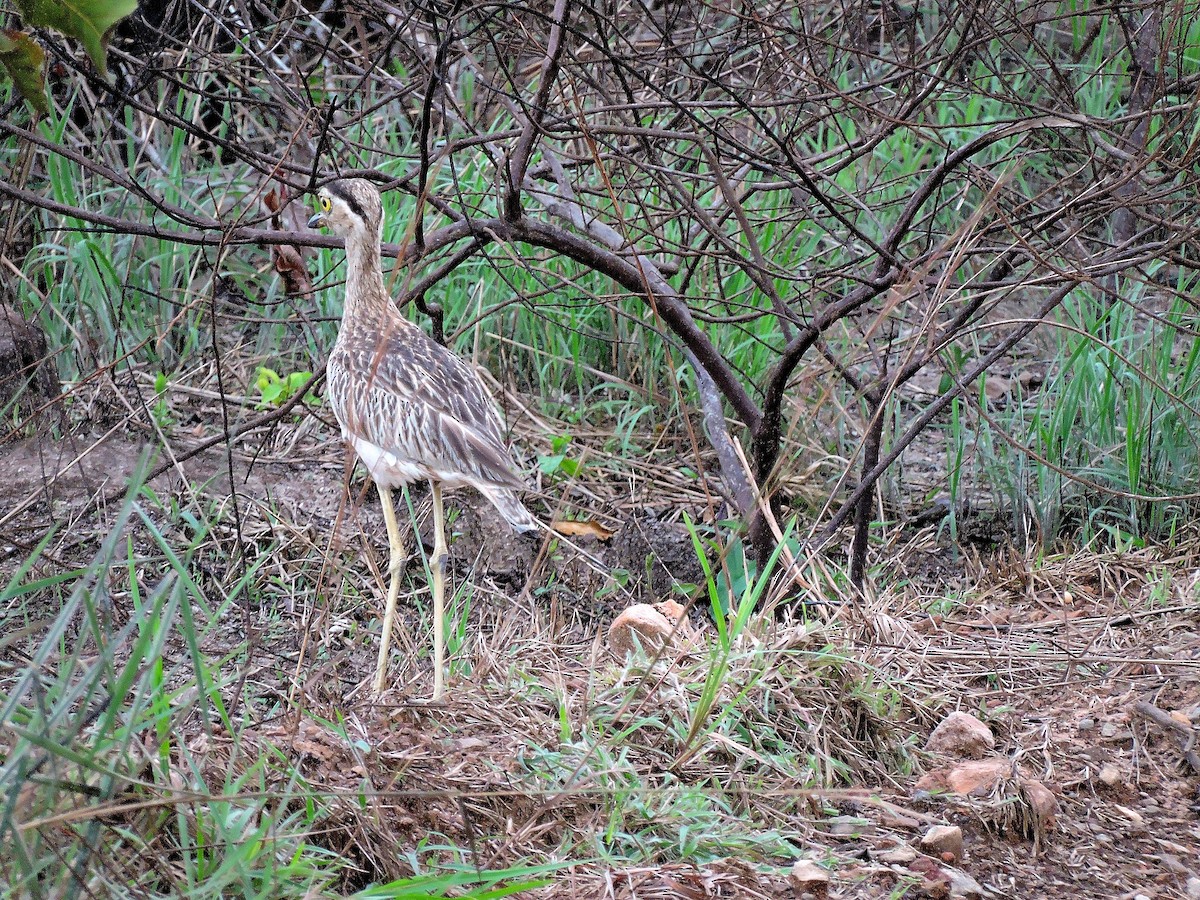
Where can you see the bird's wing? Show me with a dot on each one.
(424, 405)
(452, 448)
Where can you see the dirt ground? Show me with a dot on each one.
(1077, 663)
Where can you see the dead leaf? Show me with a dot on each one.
(288, 259)
(587, 528)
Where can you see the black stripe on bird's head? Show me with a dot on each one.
(347, 206)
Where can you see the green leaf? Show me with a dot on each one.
(266, 378)
(88, 21)
(23, 58)
(549, 464)
(276, 389)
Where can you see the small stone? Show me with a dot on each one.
(961, 734)
(944, 839)
(975, 777)
(1110, 776)
(806, 877)
(1108, 729)
(897, 856)
(1042, 802)
(640, 626)
(672, 610)
(1193, 888)
(891, 819)
(1086, 724)
(964, 886)
(1172, 864)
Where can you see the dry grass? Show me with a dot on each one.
(640, 778)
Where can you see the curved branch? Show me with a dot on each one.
(867, 483)
(670, 306)
(884, 276)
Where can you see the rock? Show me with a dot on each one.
(640, 626)
(1193, 888)
(943, 840)
(961, 734)
(686, 636)
(1110, 776)
(971, 778)
(897, 856)
(1087, 723)
(935, 881)
(964, 886)
(806, 877)
(890, 818)
(1174, 864)
(1042, 802)
(672, 610)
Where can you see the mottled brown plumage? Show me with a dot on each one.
(411, 409)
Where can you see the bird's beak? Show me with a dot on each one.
(317, 221)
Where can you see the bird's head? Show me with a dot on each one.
(349, 208)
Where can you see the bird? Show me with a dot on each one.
(410, 408)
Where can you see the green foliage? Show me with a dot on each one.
(98, 782)
(22, 60)
(1110, 440)
(276, 389)
(557, 462)
(470, 885)
(88, 21)
(161, 409)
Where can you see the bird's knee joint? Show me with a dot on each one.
(395, 564)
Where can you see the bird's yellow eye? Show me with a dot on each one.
(325, 204)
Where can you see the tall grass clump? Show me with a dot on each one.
(1109, 447)
(136, 760)
(100, 792)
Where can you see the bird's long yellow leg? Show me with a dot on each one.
(437, 571)
(389, 611)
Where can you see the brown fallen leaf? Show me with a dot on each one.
(586, 528)
(288, 259)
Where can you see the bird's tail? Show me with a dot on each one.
(510, 506)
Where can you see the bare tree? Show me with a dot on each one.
(862, 193)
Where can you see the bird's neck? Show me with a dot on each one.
(366, 296)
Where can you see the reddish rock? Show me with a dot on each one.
(961, 734)
(944, 841)
(972, 778)
(672, 610)
(641, 625)
(806, 877)
(1041, 801)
